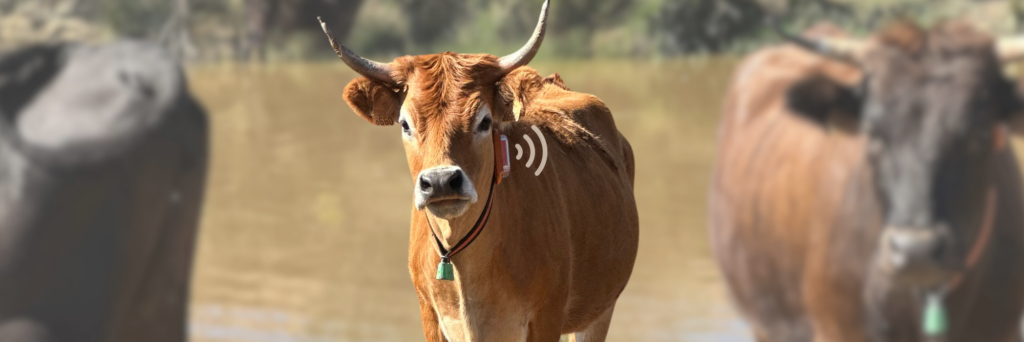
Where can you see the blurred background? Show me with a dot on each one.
(305, 229)
(286, 30)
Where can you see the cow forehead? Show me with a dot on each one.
(447, 90)
(946, 82)
(953, 48)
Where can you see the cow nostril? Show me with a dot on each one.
(456, 182)
(424, 184)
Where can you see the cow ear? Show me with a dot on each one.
(825, 102)
(514, 92)
(373, 101)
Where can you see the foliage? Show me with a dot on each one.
(430, 20)
(577, 28)
(135, 18)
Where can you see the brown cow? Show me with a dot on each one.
(857, 184)
(558, 247)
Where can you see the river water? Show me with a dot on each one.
(306, 223)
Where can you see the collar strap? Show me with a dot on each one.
(473, 233)
(934, 323)
(981, 241)
(999, 142)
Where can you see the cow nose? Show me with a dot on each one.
(913, 250)
(441, 182)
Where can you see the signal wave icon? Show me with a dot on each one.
(543, 149)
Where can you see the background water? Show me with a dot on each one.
(306, 227)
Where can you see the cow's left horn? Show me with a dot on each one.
(373, 70)
(1010, 49)
(845, 49)
(526, 53)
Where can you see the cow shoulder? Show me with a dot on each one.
(576, 120)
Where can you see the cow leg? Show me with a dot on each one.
(544, 332)
(761, 336)
(546, 326)
(431, 325)
(597, 331)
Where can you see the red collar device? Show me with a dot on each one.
(502, 164)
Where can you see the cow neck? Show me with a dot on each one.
(444, 267)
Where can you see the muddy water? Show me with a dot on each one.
(305, 231)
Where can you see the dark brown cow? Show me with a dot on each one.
(103, 159)
(856, 183)
(559, 242)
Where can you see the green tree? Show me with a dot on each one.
(432, 20)
(135, 18)
(714, 26)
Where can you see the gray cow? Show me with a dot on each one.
(103, 157)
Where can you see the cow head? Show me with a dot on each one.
(447, 106)
(932, 106)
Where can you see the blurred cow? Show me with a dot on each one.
(865, 187)
(102, 168)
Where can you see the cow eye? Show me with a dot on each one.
(405, 126)
(485, 125)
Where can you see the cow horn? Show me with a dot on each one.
(1010, 49)
(848, 50)
(526, 53)
(373, 70)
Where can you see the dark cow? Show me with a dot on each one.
(102, 168)
(863, 190)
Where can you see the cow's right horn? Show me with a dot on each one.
(373, 70)
(845, 49)
(526, 53)
(1010, 49)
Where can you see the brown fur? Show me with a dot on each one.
(559, 247)
(795, 219)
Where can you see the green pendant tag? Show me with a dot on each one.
(933, 322)
(445, 270)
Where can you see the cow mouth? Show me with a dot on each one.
(917, 274)
(447, 208)
(917, 257)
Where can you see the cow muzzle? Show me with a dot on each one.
(445, 190)
(917, 257)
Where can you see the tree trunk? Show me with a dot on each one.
(175, 35)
